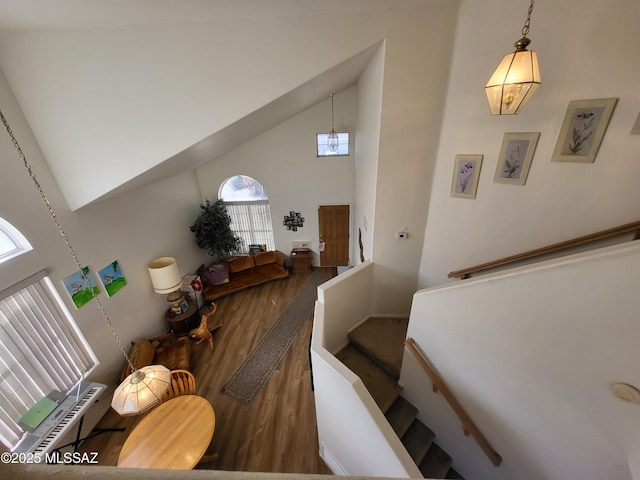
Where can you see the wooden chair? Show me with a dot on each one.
(182, 383)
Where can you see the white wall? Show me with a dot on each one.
(584, 49)
(531, 356)
(284, 161)
(417, 60)
(355, 438)
(367, 149)
(132, 229)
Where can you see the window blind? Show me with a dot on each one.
(41, 349)
(251, 221)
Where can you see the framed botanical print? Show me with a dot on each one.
(466, 173)
(515, 157)
(582, 130)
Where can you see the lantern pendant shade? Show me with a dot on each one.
(141, 391)
(332, 141)
(514, 82)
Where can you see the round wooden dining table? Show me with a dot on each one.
(175, 435)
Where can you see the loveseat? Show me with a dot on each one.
(225, 278)
(167, 350)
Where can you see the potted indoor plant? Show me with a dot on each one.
(213, 231)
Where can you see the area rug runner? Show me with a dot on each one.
(252, 375)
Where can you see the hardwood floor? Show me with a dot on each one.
(277, 433)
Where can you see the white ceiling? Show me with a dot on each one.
(316, 90)
(34, 15)
(45, 14)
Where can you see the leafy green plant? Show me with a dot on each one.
(213, 231)
(580, 137)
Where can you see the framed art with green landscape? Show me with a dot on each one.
(112, 278)
(515, 157)
(583, 129)
(81, 286)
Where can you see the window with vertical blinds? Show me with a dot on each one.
(252, 223)
(248, 206)
(41, 349)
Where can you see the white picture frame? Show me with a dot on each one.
(466, 174)
(583, 129)
(516, 154)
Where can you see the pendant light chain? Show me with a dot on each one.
(332, 111)
(527, 23)
(27, 165)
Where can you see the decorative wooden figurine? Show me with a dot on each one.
(203, 332)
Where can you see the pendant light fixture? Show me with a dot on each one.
(516, 78)
(332, 139)
(144, 388)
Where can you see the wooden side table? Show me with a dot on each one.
(301, 260)
(182, 323)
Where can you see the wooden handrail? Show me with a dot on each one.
(594, 237)
(469, 427)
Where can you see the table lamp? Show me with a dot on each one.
(166, 279)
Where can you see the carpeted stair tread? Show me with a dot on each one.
(375, 353)
(382, 339)
(453, 475)
(383, 387)
(435, 463)
(400, 415)
(417, 440)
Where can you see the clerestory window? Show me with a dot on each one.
(12, 242)
(341, 149)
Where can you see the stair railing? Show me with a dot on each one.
(556, 247)
(469, 428)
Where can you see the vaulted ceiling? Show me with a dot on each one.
(108, 87)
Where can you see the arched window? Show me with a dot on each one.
(248, 206)
(12, 242)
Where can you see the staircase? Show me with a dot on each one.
(374, 353)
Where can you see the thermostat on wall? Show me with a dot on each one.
(403, 234)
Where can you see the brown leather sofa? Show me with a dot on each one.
(167, 350)
(224, 278)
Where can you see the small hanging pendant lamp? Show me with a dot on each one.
(516, 78)
(332, 139)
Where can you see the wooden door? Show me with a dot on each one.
(333, 225)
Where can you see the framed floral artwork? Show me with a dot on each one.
(466, 173)
(582, 130)
(515, 157)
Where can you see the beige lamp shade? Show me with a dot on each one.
(514, 81)
(141, 391)
(165, 275)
